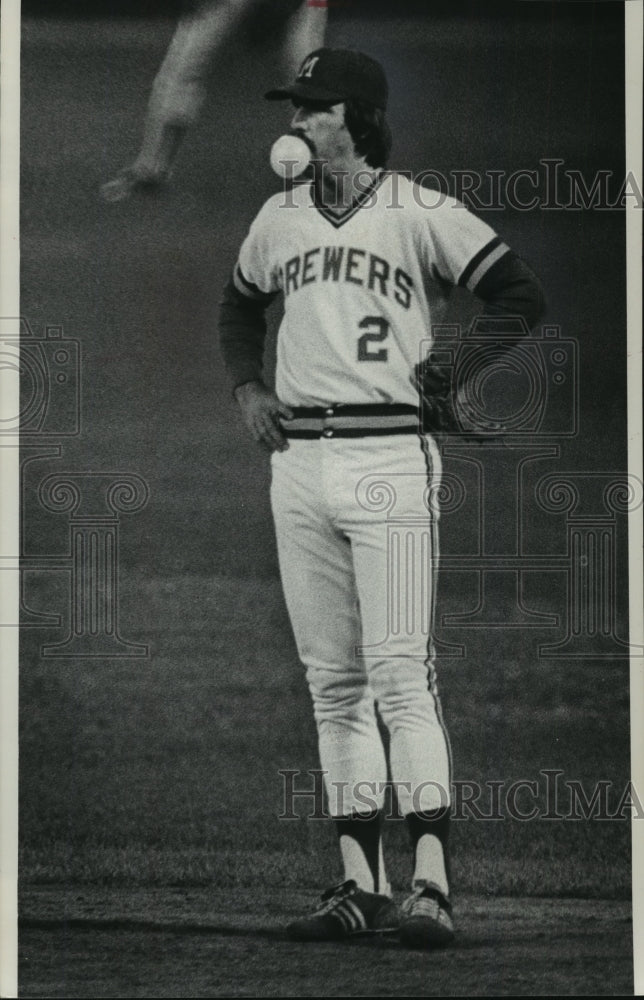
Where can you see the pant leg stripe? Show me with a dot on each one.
(432, 461)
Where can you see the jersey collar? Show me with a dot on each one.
(339, 219)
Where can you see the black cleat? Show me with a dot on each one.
(346, 910)
(426, 918)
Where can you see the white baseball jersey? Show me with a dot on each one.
(361, 290)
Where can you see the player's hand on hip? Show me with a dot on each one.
(262, 412)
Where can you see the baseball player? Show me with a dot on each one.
(364, 262)
(179, 88)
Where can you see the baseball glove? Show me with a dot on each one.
(445, 406)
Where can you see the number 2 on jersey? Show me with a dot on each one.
(377, 331)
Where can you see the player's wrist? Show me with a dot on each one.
(244, 389)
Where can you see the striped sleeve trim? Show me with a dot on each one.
(481, 263)
(250, 290)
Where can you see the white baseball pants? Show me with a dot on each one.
(356, 524)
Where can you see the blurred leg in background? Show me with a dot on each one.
(180, 86)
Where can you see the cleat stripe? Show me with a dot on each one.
(348, 916)
(359, 919)
(344, 920)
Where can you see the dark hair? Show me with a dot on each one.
(369, 130)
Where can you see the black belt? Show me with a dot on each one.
(347, 420)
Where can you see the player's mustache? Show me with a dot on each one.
(301, 135)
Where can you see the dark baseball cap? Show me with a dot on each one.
(336, 75)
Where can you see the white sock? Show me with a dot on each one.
(357, 867)
(430, 862)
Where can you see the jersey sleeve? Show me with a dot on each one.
(255, 274)
(463, 247)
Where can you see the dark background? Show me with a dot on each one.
(339, 8)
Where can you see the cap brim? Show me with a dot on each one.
(306, 93)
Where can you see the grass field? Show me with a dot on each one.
(144, 779)
(167, 771)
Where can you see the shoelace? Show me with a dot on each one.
(429, 903)
(334, 896)
(409, 903)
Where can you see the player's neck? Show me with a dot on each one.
(340, 185)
